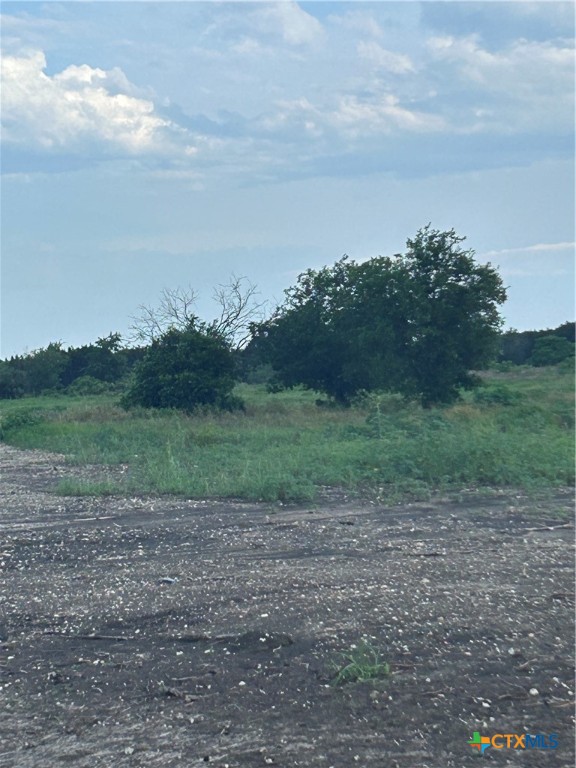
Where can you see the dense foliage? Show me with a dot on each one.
(526, 347)
(52, 369)
(415, 324)
(184, 369)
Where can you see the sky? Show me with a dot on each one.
(153, 145)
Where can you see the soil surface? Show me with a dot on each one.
(172, 632)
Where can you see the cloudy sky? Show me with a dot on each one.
(171, 144)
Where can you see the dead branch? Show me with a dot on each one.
(175, 310)
(238, 309)
(236, 299)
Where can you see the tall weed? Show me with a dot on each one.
(284, 447)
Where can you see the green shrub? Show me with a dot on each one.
(184, 370)
(504, 367)
(23, 417)
(550, 350)
(499, 394)
(566, 366)
(87, 385)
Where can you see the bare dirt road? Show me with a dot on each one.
(171, 632)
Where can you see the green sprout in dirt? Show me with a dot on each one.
(361, 663)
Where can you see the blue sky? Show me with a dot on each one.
(151, 145)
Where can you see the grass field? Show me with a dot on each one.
(517, 430)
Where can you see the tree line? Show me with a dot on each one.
(89, 369)
(546, 347)
(417, 323)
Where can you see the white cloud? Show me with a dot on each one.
(532, 249)
(530, 83)
(248, 47)
(289, 110)
(350, 116)
(558, 13)
(77, 106)
(381, 114)
(82, 77)
(246, 27)
(358, 21)
(544, 260)
(33, 29)
(293, 23)
(249, 91)
(528, 62)
(397, 63)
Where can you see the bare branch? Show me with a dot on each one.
(238, 309)
(174, 311)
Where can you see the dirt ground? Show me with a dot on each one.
(171, 632)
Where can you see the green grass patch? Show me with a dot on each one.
(78, 487)
(514, 431)
(359, 665)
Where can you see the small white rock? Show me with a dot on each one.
(534, 692)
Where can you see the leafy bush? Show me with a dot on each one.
(504, 367)
(23, 417)
(497, 395)
(87, 385)
(12, 381)
(550, 350)
(185, 370)
(517, 347)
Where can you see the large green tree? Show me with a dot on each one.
(417, 323)
(453, 307)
